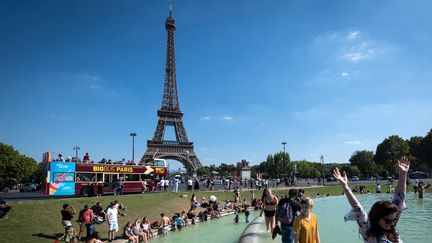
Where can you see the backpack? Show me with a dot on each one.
(284, 213)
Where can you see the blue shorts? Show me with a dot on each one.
(113, 226)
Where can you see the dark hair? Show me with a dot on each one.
(292, 192)
(379, 210)
(265, 191)
(65, 206)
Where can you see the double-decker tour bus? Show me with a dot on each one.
(76, 178)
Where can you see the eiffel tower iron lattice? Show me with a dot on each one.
(169, 114)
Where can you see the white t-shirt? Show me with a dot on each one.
(162, 182)
(112, 214)
(189, 182)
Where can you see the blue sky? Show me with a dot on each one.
(327, 77)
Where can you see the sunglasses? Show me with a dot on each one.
(389, 220)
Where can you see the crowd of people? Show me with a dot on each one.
(87, 218)
(298, 224)
(143, 230)
(291, 217)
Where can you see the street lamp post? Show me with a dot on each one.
(133, 135)
(76, 148)
(284, 143)
(283, 156)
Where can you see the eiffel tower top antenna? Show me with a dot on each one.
(170, 3)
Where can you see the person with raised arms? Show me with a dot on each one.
(379, 226)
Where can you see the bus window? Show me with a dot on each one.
(110, 179)
(160, 162)
(131, 177)
(147, 177)
(99, 176)
(86, 177)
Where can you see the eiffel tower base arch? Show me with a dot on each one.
(184, 153)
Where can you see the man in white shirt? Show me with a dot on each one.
(189, 184)
(112, 214)
(167, 182)
(162, 184)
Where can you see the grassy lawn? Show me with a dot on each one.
(40, 221)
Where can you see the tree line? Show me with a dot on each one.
(383, 161)
(16, 168)
(363, 163)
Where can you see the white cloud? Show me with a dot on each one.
(353, 142)
(357, 53)
(205, 118)
(346, 57)
(353, 34)
(227, 118)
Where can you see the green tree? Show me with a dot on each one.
(255, 169)
(204, 170)
(389, 151)
(306, 169)
(276, 164)
(426, 150)
(364, 160)
(226, 169)
(415, 148)
(14, 167)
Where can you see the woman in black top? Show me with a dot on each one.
(67, 214)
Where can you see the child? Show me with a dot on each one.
(306, 225)
(236, 218)
(247, 215)
(179, 222)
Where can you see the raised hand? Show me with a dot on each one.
(403, 164)
(342, 178)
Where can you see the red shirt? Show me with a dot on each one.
(87, 216)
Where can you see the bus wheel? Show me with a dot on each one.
(85, 191)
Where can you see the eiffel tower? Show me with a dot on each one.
(170, 115)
